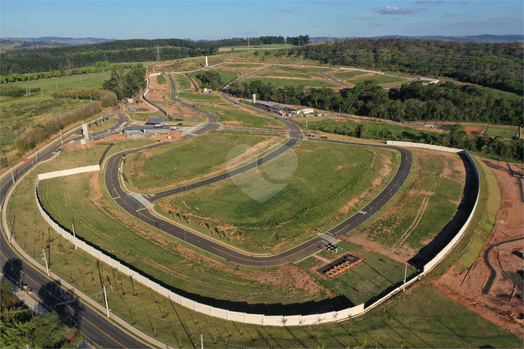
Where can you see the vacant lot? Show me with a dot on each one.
(234, 115)
(423, 209)
(276, 207)
(318, 82)
(195, 159)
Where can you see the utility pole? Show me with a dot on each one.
(157, 54)
(405, 273)
(107, 305)
(12, 175)
(74, 234)
(44, 257)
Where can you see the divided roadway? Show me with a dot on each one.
(94, 325)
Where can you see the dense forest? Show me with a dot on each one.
(494, 65)
(412, 102)
(121, 51)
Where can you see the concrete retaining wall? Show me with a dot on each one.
(261, 319)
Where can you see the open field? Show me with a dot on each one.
(349, 74)
(18, 113)
(501, 131)
(377, 79)
(423, 209)
(199, 97)
(363, 282)
(235, 115)
(197, 158)
(276, 207)
(77, 81)
(281, 82)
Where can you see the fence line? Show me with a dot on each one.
(261, 319)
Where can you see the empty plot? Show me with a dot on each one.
(276, 207)
(197, 158)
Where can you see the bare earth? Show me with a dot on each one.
(506, 259)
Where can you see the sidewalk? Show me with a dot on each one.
(26, 296)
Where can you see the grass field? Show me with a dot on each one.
(77, 81)
(363, 282)
(294, 82)
(421, 317)
(276, 207)
(194, 159)
(18, 113)
(198, 97)
(501, 131)
(237, 116)
(378, 79)
(425, 207)
(244, 65)
(349, 74)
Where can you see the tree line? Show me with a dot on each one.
(412, 102)
(505, 149)
(20, 327)
(498, 65)
(121, 51)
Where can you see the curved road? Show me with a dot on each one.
(137, 205)
(90, 322)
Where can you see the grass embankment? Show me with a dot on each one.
(192, 160)
(469, 247)
(421, 317)
(181, 82)
(276, 207)
(233, 115)
(425, 207)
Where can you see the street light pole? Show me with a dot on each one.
(44, 257)
(107, 305)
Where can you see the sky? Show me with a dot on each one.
(218, 19)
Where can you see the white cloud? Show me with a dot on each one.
(380, 24)
(392, 10)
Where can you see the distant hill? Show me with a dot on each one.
(485, 38)
(49, 41)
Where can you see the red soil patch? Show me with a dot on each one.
(473, 129)
(466, 288)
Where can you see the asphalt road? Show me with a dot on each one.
(76, 313)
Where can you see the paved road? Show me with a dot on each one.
(91, 323)
(139, 207)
